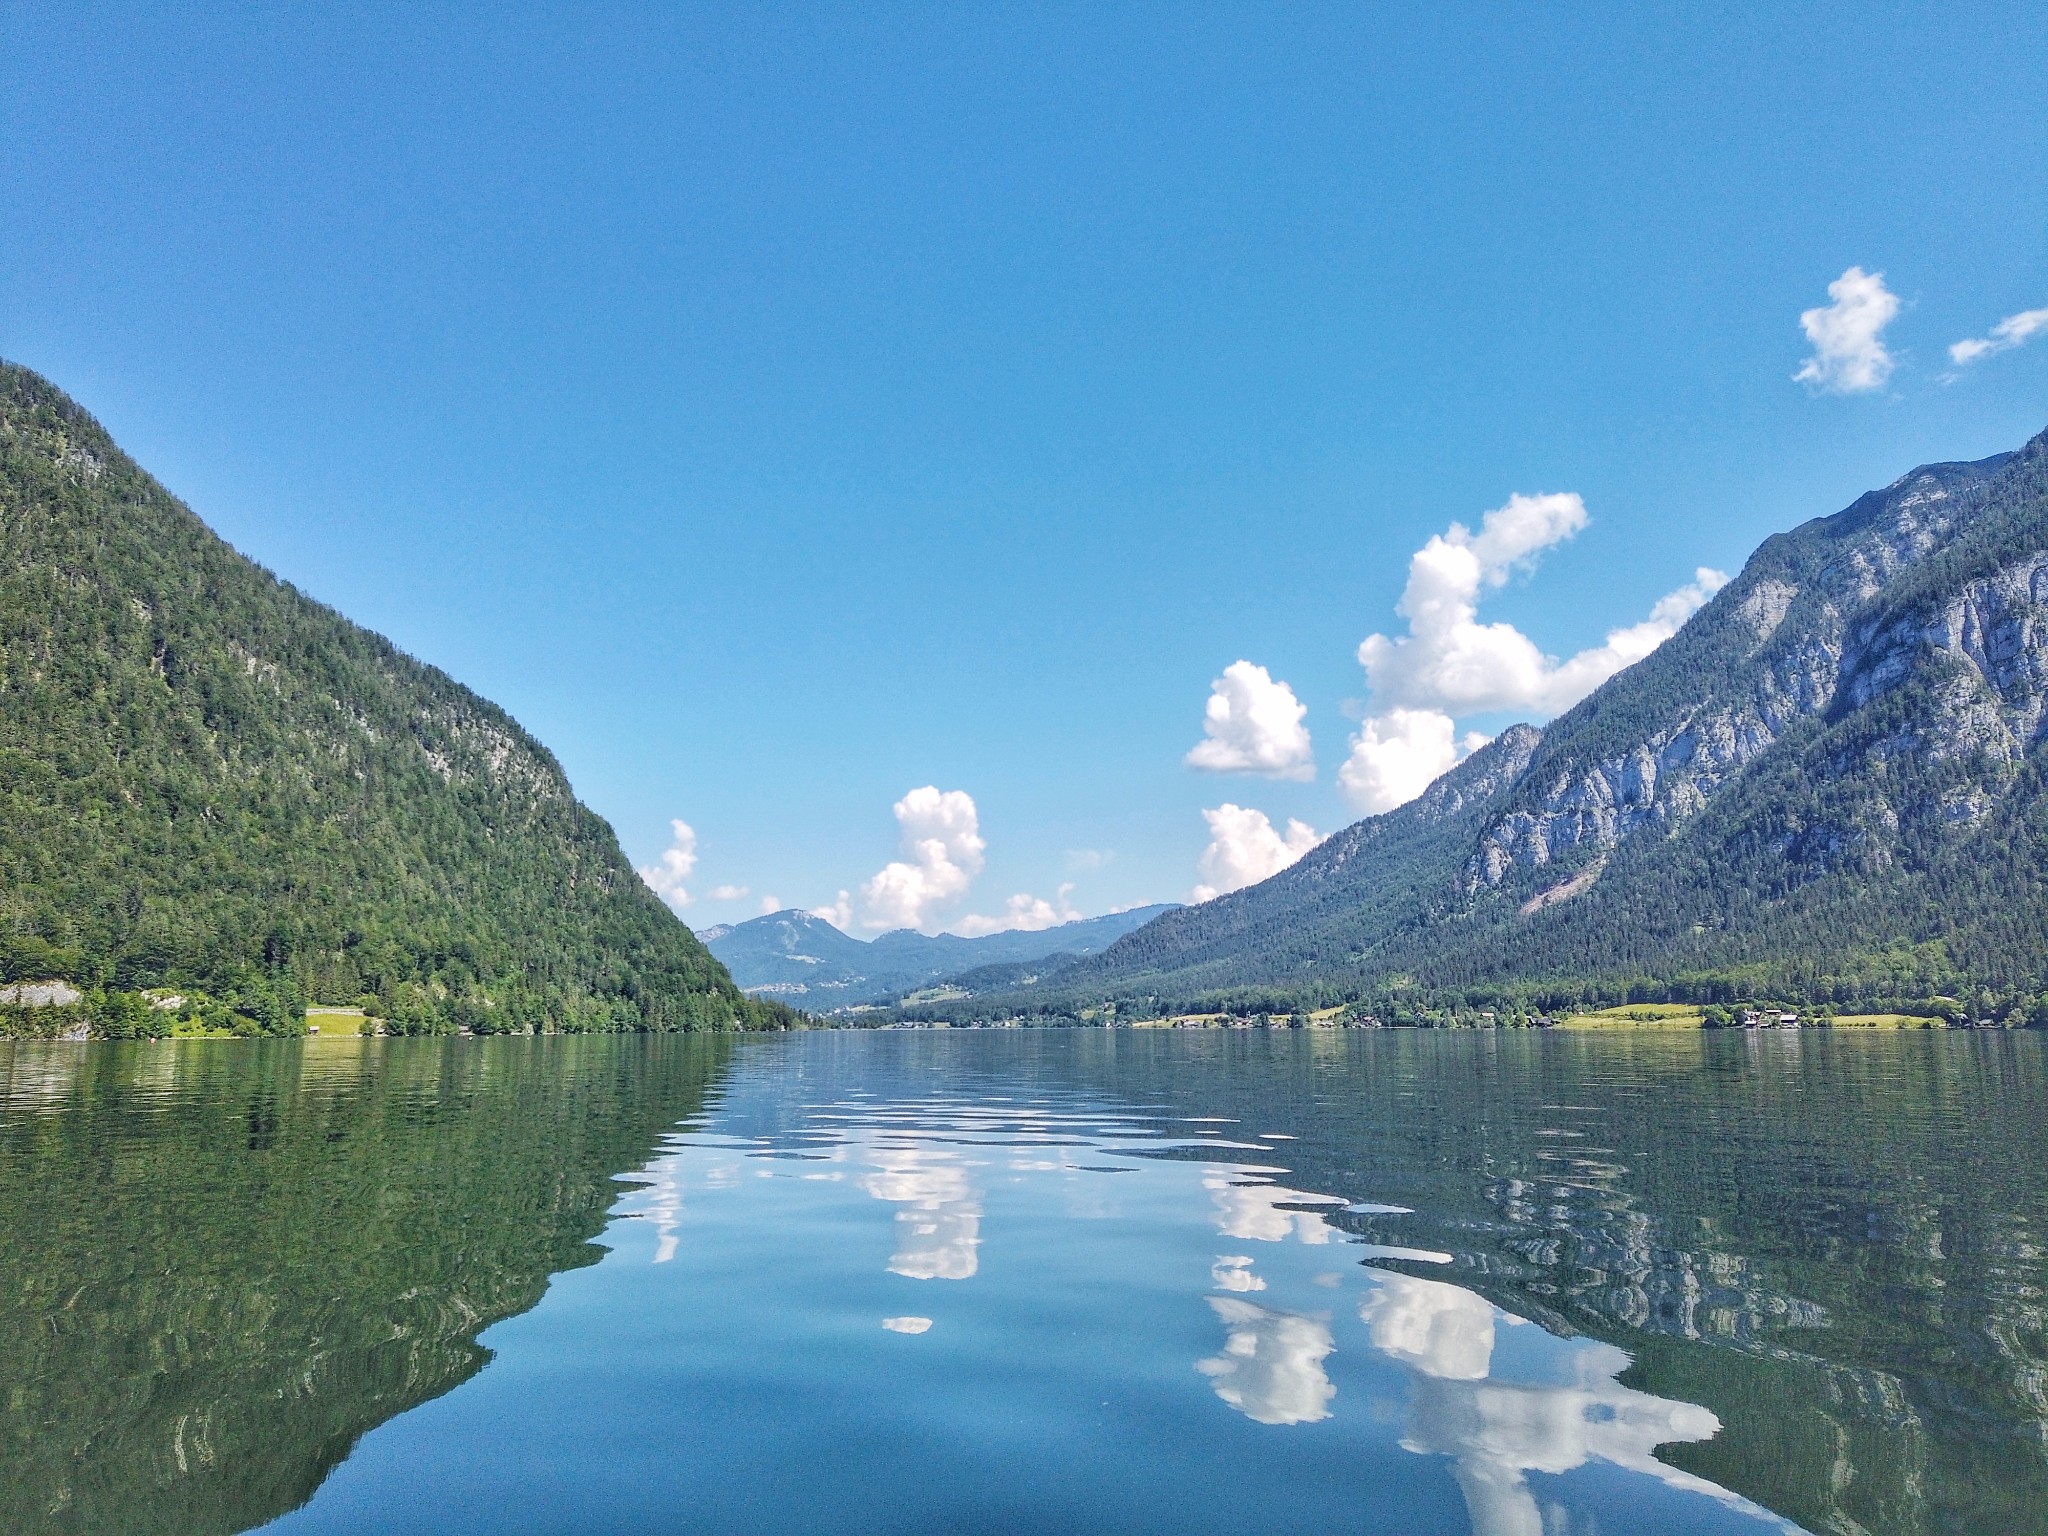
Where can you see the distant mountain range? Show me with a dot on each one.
(209, 781)
(1828, 786)
(805, 961)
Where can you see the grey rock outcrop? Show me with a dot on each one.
(1796, 630)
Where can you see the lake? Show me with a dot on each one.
(1525, 1283)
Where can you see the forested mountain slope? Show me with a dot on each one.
(1828, 785)
(209, 780)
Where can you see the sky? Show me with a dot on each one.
(955, 461)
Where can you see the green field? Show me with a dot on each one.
(1638, 1016)
(337, 1021)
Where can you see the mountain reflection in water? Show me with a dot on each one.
(222, 1261)
(1063, 1280)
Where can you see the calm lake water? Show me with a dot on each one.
(1058, 1281)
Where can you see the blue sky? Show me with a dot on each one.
(782, 411)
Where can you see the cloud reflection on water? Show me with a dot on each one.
(1442, 1330)
(1271, 1368)
(1495, 1430)
(1252, 1212)
(1498, 1431)
(938, 1223)
(1233, 1272)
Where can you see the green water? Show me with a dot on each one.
(1017, 1281)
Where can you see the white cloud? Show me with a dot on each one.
(1271, 1367)
(2012, 331)
(1849, 357)
(1574, 679)
(1244, 849)
(838, 913)
(942, 855)
(1087, 858)
(1025, 912)
(1449, 663)
(1253, 725)
(770, 904)
(1448, 659)
(666, 877)
(1397, 755)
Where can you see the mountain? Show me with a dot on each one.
(209, 781)
(795, 955)
(1829, 786)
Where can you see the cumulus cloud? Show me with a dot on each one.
(1449, 663)
(728, 892)
(1849, 356)
(1448, 659)
(665, 877)
(1253, 725)
(942, 855)
(1024, 912)
(769, 904)
(1397, 755)
(2012, 331)
(839, 913)
(1244, 849)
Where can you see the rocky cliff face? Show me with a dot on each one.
(1799, 635)
(1990, 642)
(1833, 781)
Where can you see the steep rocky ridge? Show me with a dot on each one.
(1829, 783)
(1655, 745)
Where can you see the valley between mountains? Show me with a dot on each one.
(221, 802)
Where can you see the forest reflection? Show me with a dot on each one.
(221, 1262)
(1805, 1274)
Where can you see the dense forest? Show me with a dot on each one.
(1829, 789)
(218, 791)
